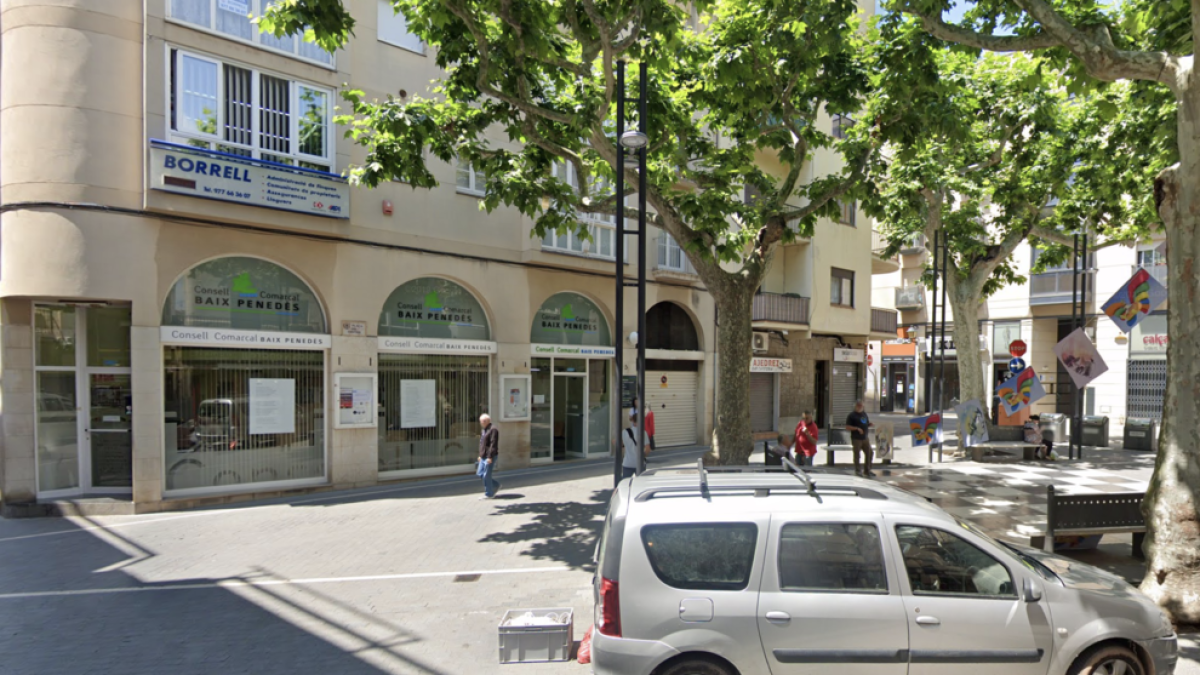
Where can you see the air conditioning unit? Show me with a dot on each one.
(760, 342)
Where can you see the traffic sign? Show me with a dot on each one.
(1017, 348)
(1016, 366)
(870, 359)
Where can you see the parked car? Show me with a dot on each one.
(768, 572)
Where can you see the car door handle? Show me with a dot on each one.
(778, 617)
(928, 621)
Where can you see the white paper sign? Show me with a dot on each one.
(240, 7)
(418, 404)
(272, 406)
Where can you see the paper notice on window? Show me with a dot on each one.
(272, 406)
(418, 404)
(239, 7)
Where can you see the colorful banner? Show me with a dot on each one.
(972, 423)
(1020, 390)
(1079, 356)
(1135, 300)
(926, 430)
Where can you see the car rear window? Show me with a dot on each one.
(705, 556)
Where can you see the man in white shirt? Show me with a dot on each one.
(629, 444)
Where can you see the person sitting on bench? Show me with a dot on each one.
(1033, 434)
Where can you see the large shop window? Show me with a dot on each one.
(434, 377)
(227, 108)
(245, 416)
(252, 412)
(232, 19)
(430, 410)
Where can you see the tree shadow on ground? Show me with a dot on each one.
(564, 532)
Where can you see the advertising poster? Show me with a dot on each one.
(418, 404)
(1079, 356)
(972, 423)
(926, 430)
(272, 406)
(1020, 390)
(1135, 300)
(356, 400)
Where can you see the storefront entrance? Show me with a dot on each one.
(571, 411)
(84, 402)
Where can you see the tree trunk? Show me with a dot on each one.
(732, 438)
(964, 302)
(1172, 543)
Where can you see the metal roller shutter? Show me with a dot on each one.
(674, 407)
(762, 402)
(843, 391)
(1146, 385)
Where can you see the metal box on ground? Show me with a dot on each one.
(543, 635)
(1095, 431)
(1054, 427)
(1141, 434)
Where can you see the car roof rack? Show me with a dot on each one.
(792, 468)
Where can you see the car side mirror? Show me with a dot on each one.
(1030, 591)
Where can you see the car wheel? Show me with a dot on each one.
(694, 666)
(1110, 660)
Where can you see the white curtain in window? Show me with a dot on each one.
(393, 29)
(198, 95)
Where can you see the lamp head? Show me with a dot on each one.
(634, 140)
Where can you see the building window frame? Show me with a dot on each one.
(256, 36)
(601, 227)
(217, 141)
(849, 212)
(469, 180)
(841, 283)
(839, 124)
(399, 23)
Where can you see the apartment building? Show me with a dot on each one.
(196, 307)
(1039, 313)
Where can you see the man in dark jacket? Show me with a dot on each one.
(489, 451)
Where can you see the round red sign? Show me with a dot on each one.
(1017, 348)
(870, 359)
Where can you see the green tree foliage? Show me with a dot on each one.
(734, 94)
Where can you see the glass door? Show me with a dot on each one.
(570, 413)
(541, 432)
(110, 430)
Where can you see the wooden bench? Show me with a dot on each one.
(1075, 515)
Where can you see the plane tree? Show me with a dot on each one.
(734, 94)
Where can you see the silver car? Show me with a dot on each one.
(758, 572)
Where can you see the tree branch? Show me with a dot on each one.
(935, 26)
(997, 156)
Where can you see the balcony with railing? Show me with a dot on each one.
(910, 297)
(783, 308)
(884, 321)
(880, 264)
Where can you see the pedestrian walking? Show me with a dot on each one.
(649, 426)
(859, 426)
(489, 452)
(806, 439)
(629, 444)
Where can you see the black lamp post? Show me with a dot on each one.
(634, 143)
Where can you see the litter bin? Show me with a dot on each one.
(1054, 427)
(1095, 431)
(1141, 434)
(771, 456)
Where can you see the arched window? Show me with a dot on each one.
(668, 326)
(433, 308)
(570, 319)
(244, 293)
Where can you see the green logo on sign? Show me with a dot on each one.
(243, 286)
(432, 303)
(568, 314)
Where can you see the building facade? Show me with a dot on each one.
(196, 307)
(1038, 313)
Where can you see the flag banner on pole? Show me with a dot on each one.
(926, 430)
(1079, 356)
(1020, 390)
(972, 423)
(1135, 300)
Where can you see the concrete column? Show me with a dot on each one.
(146, 362)
(353, 453)
(18, 482)
(515, 438)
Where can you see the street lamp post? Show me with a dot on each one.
(633, 142)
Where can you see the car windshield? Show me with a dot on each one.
(1018, 554)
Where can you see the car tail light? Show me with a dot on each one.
(610, 608)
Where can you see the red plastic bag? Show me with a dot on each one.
(585, 647)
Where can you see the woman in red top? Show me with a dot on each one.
(806, 440)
